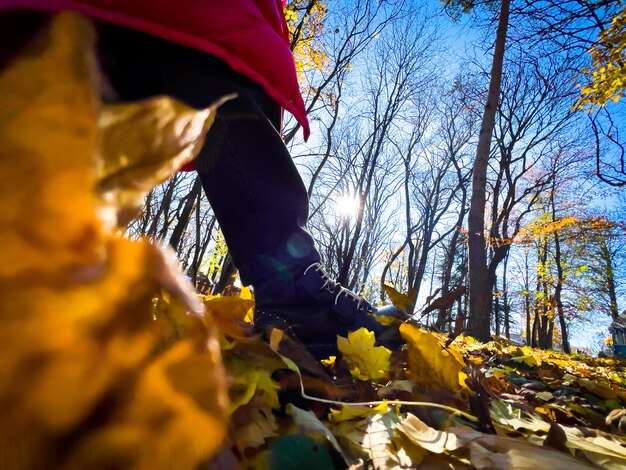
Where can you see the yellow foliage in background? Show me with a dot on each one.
(305, 20)
(88, 378)
(606, 78)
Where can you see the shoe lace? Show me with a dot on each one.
(334, 287)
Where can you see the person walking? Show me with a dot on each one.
(198, 51)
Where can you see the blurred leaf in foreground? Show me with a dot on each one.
(141, 145)
(88, 379)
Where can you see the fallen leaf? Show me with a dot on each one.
(366, 361)
(348, 413)
(371, 438)
(425, 436)
(488, 451)
(404, 302)
(307, 421)
(504, 414)
(253, 425)
(396, 386)
(228, 314)
(252, 382)
(431, 364)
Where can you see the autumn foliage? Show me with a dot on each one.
(88, 377)
(606, 77)
(108, 359)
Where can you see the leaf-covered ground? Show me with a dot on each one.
(434, 404)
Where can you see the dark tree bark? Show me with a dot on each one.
(560, 280)
(164, 209)
(479, 318)
(185, 214)
(505, 301)
(226, 278)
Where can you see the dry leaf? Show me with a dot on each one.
(431, 364)
(141, 145)
(366, 361)
(488, 451)
(404, 302)
(85, 371)
(349, 413)
(425, 436)
(253, 425)
(229, 313)
(371, 438)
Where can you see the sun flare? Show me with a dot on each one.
(347, 205)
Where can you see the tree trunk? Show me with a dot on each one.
(527, 299)
(444, 313)
(479, 292)
(226, 276)
(496, 308)
(559, 282)
(505, 302)
(535, 330)
(605, 253)
(145, 219)
(185, 215)
(545, 320)
(164, 207)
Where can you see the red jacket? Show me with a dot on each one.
(249, 35)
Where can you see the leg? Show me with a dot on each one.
(248, 175)
(252, 184)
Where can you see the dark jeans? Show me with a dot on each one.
(247, 173)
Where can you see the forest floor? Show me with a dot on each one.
(436, 403)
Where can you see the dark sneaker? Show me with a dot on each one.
(315, 309)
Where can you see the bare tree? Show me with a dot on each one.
(573, 27)
(397, 71)
(479, 292)
(532, 123)
(349, 29)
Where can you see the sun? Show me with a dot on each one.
(347, 205)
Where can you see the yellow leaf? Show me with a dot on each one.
(349, 413)
(229, 313)
(530, 360)
(246, 294)
(141, 145)
(48, 127)
(174, 313)
(255, 382)
(80, 352)
(432, 365)
(276, 336)
(329, 361)
(404, 302)
(366, 361)
(253, 425)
